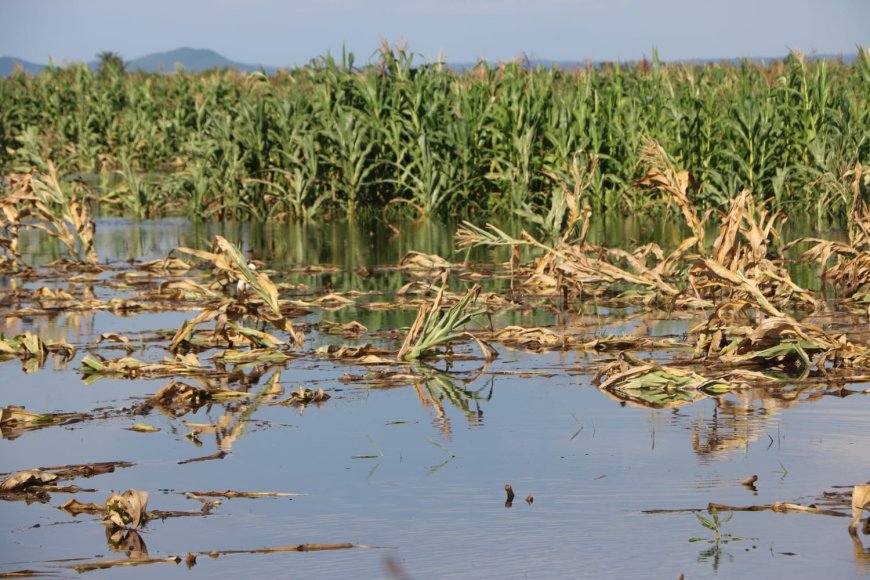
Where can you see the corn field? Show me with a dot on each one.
(333, 139)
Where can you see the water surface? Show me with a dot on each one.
(416, 475)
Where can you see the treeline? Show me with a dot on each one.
(332, 139)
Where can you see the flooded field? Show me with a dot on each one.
(291, 419)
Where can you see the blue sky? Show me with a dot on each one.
(284, 33)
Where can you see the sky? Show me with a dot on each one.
(292, 32)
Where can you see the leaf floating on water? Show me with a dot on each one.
(13, 415)
(779, 506)
(230, 494)
(352, 328)
(106, 564)
(303, 396)
(131, 368)
(32, 350)
(168, 264)
(144, 428)
(87, 469)
(423, 261)
(75, 507)
(21, 480)
(176, 398)
(533, 338)
(126, 510)
(257, 338)
(220, 454)
(860, 502)
(113, 337)
(364, 355)
(254, 355)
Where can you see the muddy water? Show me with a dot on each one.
(415, 477)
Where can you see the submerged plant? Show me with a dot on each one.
(714, 523)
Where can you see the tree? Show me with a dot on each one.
(111, 64)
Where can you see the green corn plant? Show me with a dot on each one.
(435, 327)
(714, 523)
(349, 156)
(458, 143)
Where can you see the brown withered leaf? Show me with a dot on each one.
(351, 328)
(230, 494)
(122, 563)
(15, 420)
(21, 480)
(423, 261)
(12, 415)
(357, 353)
(533, 338)
(86, 469)
(75, 507)
(303, 396)
(113, 337)
(168, 264)
(176, 398)
(860, 501)
(126, 510)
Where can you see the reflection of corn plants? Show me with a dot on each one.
(440, 386)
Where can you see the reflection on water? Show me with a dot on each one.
(744, 417)
(126, 541)
(75, 327)
(862, 553)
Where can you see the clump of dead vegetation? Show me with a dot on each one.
(41, 201)
(755, 322)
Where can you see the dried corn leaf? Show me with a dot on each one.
(126, 510)
(860, 502)
(21, 480)
(75, 507)
(423, 261)
(533, 338)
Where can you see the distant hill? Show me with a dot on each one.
(191, 59)
(8, 64)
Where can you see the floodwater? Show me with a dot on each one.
(414, 476)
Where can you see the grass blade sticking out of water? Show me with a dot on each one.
(434, 327)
